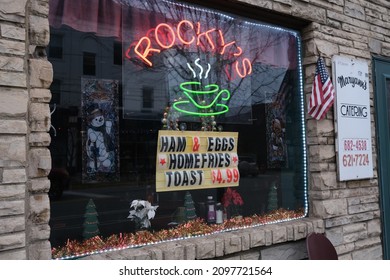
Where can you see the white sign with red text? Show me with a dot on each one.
(353, 118)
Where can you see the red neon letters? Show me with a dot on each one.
(165, 36)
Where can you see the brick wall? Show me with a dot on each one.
(347, 211)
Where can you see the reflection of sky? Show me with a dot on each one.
(266, 82)
(262, 44)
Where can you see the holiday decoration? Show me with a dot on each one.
(189, 206)
(272, 198)
(194, 228)
(91, 221)
(232, 201)
(141, 211)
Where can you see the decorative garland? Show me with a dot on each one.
(195, 228)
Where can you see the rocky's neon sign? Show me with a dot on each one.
(185, 33)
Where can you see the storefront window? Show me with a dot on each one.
(171, 105)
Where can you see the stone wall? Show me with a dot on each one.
(349, 210)
(25, 76)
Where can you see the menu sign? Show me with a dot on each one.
(188, 160)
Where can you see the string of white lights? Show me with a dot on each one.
(175, 239)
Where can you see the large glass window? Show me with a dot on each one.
(166, 103)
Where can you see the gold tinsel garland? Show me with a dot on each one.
(193, 228)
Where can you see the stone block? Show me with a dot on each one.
(219, 244)
(40, 7)
(367, 243)
(257, 237)
(251, 255)
(13, 127)
(39, 251)
(354, 236)
(39, 232)
(39, 185)
(245, 241)
(134, 254)
(12, 151)
(12, 47)
(172, 251)
(10, 208)
(330, 208)
(205, 248)
(268, 237)
(12, 79)
(339, 221)
(345, 248)
(233, 243)
(362, 200)
(354, 227)
(39, 139)
(14, 175)
(12, 32)
(36, 166)
(323, 181)
(10, 63)
(41, 73)
(13, 255)
(40, 95)
(374, 228)
(12, 241)
(354, 10)
(282, 8)
(371, 253)
(288, 251)
(155, 252)
(12, 192)
(313, 13)
(39, 206)
(39, 117)
(335, 236)
(363, 208)
(279, 234)
(39, 30)
(189, 250)
(16, 102)
(13, 7)
(300, 230)
(327, 153)
(12, 224)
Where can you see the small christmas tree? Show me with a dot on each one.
(189, 206)
(91, 221)
(272, 198)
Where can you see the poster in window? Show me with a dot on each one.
(100, 145)
(276, 130)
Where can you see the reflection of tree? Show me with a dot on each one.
(257, 42)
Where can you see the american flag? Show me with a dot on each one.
(322, 94)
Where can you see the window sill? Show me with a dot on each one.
(220, 244)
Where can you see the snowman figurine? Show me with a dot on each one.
(99, 144)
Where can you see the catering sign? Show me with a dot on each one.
(353, 119)
(189, 160)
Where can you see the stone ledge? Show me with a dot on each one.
(221, 244)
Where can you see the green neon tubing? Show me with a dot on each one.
(213, 89)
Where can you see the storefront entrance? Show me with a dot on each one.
(382, 104)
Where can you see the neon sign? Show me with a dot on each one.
(165, 36)
(200, 103)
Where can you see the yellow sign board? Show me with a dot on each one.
(190, 160)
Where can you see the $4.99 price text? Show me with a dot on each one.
(225, 175)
